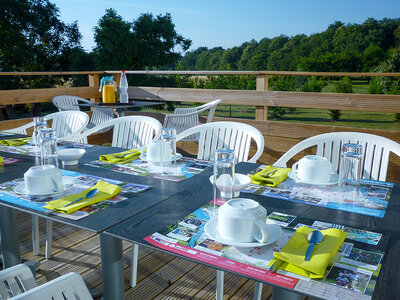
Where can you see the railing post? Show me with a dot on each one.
(261, 85)
(94, 82)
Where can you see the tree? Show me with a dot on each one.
(32, 38)
(144, 43)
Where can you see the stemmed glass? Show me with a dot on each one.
(224, 174)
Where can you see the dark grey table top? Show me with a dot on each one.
(98, 222)
(135, 229)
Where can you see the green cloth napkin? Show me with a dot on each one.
(106, 191)
(15, 142)
(274, 179)
(291, 257)
(121, 157)
(1, 160)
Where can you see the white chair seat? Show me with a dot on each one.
(19, 283)
(184, 118)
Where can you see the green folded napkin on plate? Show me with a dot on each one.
(15, 142)
(279, 175)
(291, 257)
(106, 191)
(121, 157)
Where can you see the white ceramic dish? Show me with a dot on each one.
(334, 179)
(20, 189)
(211, 229)
(241, 182)
(143, 156)
(70, 156)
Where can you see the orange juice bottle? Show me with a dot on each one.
(107, 89)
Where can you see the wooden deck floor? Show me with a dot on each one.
(160, 276)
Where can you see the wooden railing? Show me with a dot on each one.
(279, 136)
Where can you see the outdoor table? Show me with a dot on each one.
(121, 108)
(155, 218)
(111, 247)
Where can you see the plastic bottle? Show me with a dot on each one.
(123, 89)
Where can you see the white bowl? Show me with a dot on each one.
(241, 181)
(70, 156)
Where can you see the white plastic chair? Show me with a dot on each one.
(99, 114)
(231, 135)
(18, 282)
(376, 150)
(65, 123)
(129, 132)
(184, 118)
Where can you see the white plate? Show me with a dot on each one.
(20, 189)
(334, 179)
(143, 156)
(211, 226)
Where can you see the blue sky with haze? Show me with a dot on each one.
(230, 23)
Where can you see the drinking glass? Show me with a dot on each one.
(224, 174)
(168, 150)
(48, 147)
(350, 170)
(39, 123)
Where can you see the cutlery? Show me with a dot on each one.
(126, 154)
(314, 237)
(275, 266)
(269, 174)
(90, 194)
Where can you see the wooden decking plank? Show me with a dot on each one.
(190, 284)
(161, 279)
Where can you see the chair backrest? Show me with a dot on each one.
(99, 114)
(67, 102)
(376, 150)
(68, 286)
(65, 123)
(128, 132)
(184, 118)
(230, 135)
(16, 280)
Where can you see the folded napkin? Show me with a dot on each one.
(106, 191)
(15, 142)
(121, 157)
(1, 160)
(274, 179)
(291, 257)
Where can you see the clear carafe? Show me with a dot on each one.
(224, 176)
(168, 151)
(48, 147)
(350, 171)
(39, 123)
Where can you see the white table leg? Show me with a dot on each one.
(220, 285)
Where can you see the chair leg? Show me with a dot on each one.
(258, 291)
(49, 237)
(35, 235)
(220, 285)
(135, 256)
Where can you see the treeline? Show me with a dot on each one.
(340, 48)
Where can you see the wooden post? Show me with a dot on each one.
(261, 85)
(94, 82)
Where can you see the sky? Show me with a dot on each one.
(231, 23)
